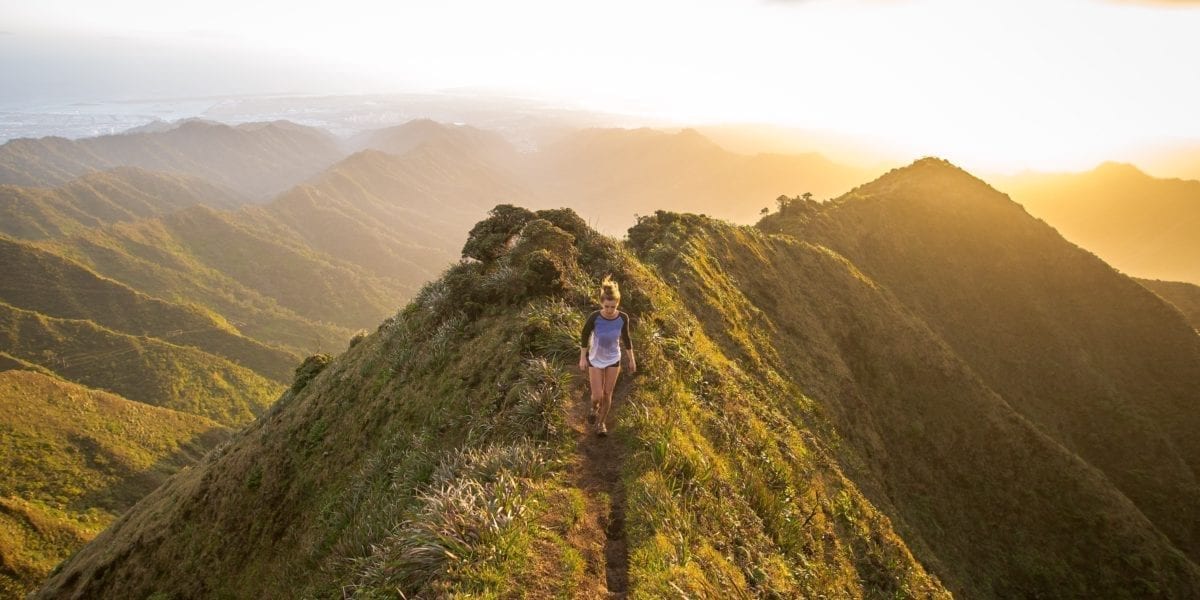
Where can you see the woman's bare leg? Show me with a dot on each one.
(596, 379)
(610, 383)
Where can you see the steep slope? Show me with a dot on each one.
(71, 459)
(608, 175)
(42, 282)
(794, 430)
(1144, 226)
(453, 462)
(120, 194)
(256, 159)
(1184, 296)
(1094, 360)
(139, 368)
(990, 504)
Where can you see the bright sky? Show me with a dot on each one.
(999, 85)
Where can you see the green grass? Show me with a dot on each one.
(72, 459)
(139, 368)
(43, 282)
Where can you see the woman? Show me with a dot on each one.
(605, 332)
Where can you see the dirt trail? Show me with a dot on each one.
(600, 538)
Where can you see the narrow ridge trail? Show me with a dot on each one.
(600, 537)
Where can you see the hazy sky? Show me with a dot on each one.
(1058, 84)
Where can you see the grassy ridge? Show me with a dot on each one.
(42, 282)
(96, 453)
(140, 368)
(803, 424)
(448, 424)
(264, 285)
(1093, 359)
(952, 464)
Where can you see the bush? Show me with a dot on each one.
(310, 368)
(489, 238)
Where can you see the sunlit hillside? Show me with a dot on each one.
(101, 198)
(72, 459)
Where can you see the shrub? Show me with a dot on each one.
(489, 238)
(310, 368)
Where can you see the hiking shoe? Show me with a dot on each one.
(592, 415)
(601, 430)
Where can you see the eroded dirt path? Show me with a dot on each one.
(600, 538)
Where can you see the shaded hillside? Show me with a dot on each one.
(794, 430)
(42, 282)
(1184, 296)
(120, 194)
(71, 460)
(1093, 359)
(1144, 226)
(608, 175)
(990, 504)
(139, 368)
(272, 288)
(256, 159)
(9, 362)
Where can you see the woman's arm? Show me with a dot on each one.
(585, 340)
(627, 341)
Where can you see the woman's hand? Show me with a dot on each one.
(583, 365)
(632, 364)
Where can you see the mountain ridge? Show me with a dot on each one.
(797, 426)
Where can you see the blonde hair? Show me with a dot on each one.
(609, 290)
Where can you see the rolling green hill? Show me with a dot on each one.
(42, 282)
(120, 194)
(96, 455)
(271, 288)
(139, 368)
(795, 429)
(255, 159)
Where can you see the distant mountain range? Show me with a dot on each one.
(254, 159)
(1145, 226)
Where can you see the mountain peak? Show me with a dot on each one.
(1123, 170)
(928, 176)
